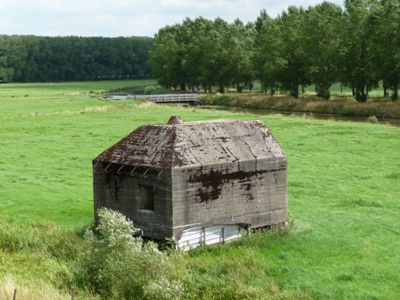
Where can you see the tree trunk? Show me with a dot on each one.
(385, 92)
(395, 95)
(361, 95)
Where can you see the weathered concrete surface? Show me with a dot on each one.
(192, 144)
(198, 173)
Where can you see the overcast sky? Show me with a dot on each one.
(113, 18)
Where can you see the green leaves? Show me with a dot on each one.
(357, 46)
(386, 44)
(39, 59)
(203, 52)
(119, 265)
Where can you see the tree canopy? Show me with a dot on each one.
(44, 59)
(357, 46)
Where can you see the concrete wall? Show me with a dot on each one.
(124, 193)
(252, 192)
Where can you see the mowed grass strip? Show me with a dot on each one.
(344, 192)
(35, 99)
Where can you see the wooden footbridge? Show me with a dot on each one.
(165, 98)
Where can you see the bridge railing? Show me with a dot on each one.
(173, 98)
(166, 98)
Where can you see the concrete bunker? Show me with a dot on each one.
(195, 182)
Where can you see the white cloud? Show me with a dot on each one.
(204, 4)
(125, 17)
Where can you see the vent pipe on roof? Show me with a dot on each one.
(175, 120)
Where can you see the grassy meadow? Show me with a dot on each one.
(32, 99)
(344, 189)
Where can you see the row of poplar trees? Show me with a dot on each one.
(357, 45)
(26, 58)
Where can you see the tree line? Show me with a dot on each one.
(72, 58)
(357, 46)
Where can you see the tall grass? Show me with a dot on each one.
(36, 290)
(340, 106)
(38, 261)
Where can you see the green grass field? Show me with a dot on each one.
(21, 100)
(344, 191)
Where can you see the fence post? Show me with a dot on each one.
(72, 294)
(15, 294)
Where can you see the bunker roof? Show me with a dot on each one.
(188, 144)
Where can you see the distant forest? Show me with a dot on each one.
(357, 46)
(26, 58)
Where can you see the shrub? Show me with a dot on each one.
(373, 120)
(148, 90)
(160, 90)
(118, 265)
